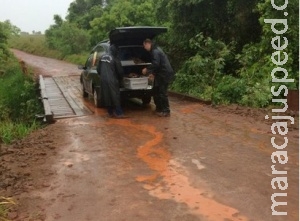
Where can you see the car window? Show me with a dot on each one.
(96, 56)
(89, 61)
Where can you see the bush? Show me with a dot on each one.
(5, 203)
(10, 131)
(229, 90)
(200, 75)
(76, 58)
(67, 38)
(18, 96)
(19, 103)
(256, 74)
(33, 44)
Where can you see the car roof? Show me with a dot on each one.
(134, 35)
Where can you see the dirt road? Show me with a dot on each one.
(201, 164)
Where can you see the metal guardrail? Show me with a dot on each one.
(48, 117)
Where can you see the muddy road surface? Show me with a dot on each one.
(201, 164)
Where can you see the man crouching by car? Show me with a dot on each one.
(163, 74)
(111, 72)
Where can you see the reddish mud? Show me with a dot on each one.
(201, 164)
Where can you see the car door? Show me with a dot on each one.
(86, 79)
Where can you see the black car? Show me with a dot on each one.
(133, 58)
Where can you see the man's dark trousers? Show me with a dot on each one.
(160, 96)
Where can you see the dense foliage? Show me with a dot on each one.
(242, 73)
(66, 37)
(123, 13)
(18, 93)
(255, 59)
(6, 31)
(220, 49)
(19, 103)
(203, 74)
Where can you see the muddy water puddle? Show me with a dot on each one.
(169, 179)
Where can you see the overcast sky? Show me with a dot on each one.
(33, 15)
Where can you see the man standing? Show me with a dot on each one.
(163, 74)
(111, 72)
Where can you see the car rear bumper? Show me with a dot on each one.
(127, 93)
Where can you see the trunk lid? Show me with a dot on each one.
(134, 35)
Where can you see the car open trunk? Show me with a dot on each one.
(134, 58)
(130, 42)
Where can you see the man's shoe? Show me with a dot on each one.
(160, 114)
(163, 114)
(167, 114)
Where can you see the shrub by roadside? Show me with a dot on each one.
(19, 102)
(4, 203)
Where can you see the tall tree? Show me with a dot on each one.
(81, 12)
(7, 29)
(66, 37)
(123, 13)
(225, 20)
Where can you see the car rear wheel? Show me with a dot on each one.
(84, 94)
(97, 98)
(146, 100)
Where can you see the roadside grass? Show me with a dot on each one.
(5, 203)
(78, 59)
(19, 103)
(36, 44)
(33, 44)
(10, 131)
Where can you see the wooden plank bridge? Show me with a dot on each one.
(61, 97)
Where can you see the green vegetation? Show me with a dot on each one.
(4, 203)
(19, 101)
(122, 13)
(36, 44)
(203, 74)
(228, 58)
(10, 131)
(221, 50)
(66, 37)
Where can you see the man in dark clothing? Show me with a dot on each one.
(163, 74)
(111, 73)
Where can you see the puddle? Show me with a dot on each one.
(176, 186)
(97, 111)
(167, 183)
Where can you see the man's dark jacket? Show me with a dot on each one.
(160, 66)
(111, 74)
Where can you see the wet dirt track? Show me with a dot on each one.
(201, 164)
